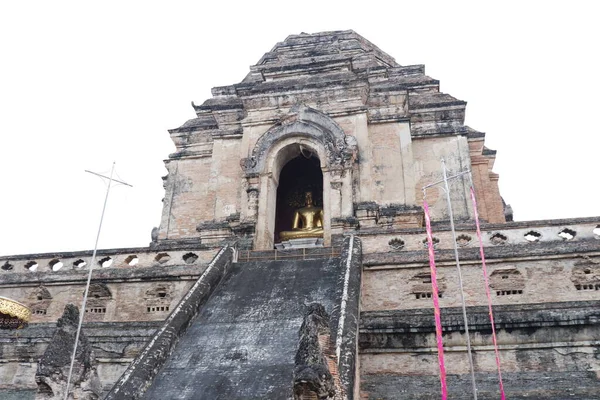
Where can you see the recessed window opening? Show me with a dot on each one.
(426, 295)
(567, 234)
(298, 176)
(132, 260)
(532, 236)
(96, 310)
(190, 258)
(463, 240)
(162, 294)
(434, 240)
(588, 286)
(55, 264)
(157, 309)
(396, 244)
(162, 258)
(39, 312)
(7, 266)
(31, 265)
(498, 238)
(105, 262)
(508, 292)
(79, 263)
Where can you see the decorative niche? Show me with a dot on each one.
(498, 239)
(190, 258)
(507, 282)
(39, 300)
(532, 236)
(586, 275)
(158, 299)
(463, 240)
(162, 258)
(420, 285)
(434, 240)
(567, 234)
(99, 299)
(396, 244)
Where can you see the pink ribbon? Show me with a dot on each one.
(436, 303)
(487, 291)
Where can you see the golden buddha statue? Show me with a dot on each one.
(308, 222)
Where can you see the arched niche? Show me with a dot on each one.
(306, 130)
(298, 176)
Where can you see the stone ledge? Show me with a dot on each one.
(525, 385)
(186, 272)
(441, 226)
(506, 317)
(112, 330)
(525, 250)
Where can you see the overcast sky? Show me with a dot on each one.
(84, 85)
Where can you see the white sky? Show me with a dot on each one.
(82, 85)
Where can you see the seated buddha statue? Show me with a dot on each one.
(308, 222)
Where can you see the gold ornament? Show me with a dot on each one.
(14, 309)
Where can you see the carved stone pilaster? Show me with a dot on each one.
(253, 193)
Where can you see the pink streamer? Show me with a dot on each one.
(436, 304)
(487, 291)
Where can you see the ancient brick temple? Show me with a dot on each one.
(252, 289)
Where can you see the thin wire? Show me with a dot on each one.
(111, 179)
(460, 281)
(87, 286)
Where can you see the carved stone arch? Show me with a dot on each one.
(586, 275)
(99, 301)
(507, 281)
(158, 298)
(314, 131)
(288, 148)
(39, 300)
(421, 285)
(40, 293)
(99, 291)
(304, 122)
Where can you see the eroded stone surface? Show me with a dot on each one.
(53, 367)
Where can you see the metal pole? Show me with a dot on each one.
(460, 282)
(87, 286)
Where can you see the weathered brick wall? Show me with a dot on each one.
(428, 153)
(545, 287)
(145, 291)
(114, 345)
(542, 348)
(548, 269)
(125, 304)
(189, 199)
(485, 181)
